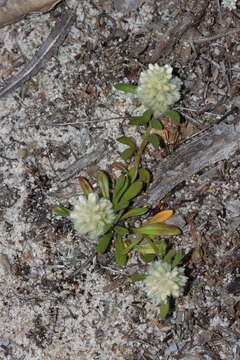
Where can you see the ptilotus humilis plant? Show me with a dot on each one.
(91, 214)
(107, 215)
(162, 281)
(158, 89)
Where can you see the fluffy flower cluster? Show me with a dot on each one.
(230, 4)
(157, 89)
(162, 282)
(91, 214)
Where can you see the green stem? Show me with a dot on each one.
(138, 156)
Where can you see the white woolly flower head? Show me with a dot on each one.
(163, 281)
(157, 89)
(91, 214)
(230, 4)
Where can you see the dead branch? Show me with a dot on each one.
(218, 144)
(12, 11)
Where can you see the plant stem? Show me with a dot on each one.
(138, 156)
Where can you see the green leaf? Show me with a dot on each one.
(120, 187)
(138, 120)
(133, 190)
(134, 212)
(148, 249)
(121, 230)
(103, 182)
(120, 258)
(174, 116)
(164, 310)
(106, 228)
(127, 141)
(154, 140)
(141, 120)
(104, 243)
(61, 211)
(126, 88)
(145, 175)
(178, 258)
(156, 124)
(138, 277)
(170, 254)
(132, 173)
(127, 154)
(121, 205)
(147, 115)
(148, 258)
(157, 229)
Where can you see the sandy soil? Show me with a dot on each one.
(58, 299)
